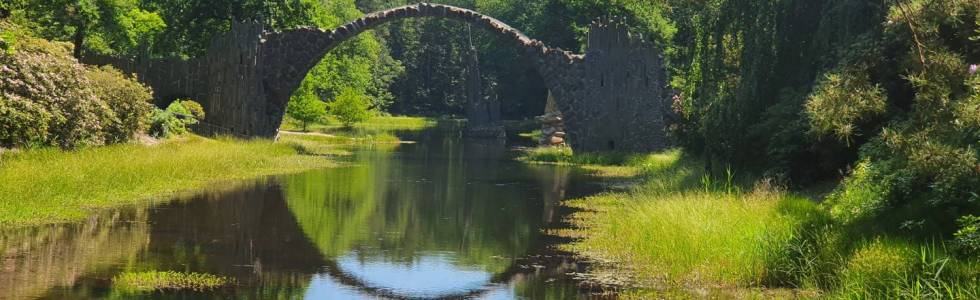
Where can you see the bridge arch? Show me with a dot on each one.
(292, 53)
(613, 97)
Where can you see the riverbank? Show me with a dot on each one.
(677, 233)
(53, 186)
(377, 123)
(47, 186)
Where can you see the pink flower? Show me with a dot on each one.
(973, 69)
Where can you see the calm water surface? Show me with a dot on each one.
(441, 218)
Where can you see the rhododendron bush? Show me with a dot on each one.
(47, 98)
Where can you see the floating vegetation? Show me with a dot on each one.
(168, 280)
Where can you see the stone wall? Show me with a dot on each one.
(623, 103)
(611, 97)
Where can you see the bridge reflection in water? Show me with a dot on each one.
(443, 218)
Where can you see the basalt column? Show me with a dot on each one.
(619, 103)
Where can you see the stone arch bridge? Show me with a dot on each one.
(613, 97)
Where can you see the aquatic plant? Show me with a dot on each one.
(168, 280)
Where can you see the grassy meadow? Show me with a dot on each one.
(680, 233)
(45, 186)
(52, 186)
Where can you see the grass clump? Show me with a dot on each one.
(168, 280)
(679, 228)
(377, 123)
(335, 145)
(894, 268)
(564, 155)
(51, 186)
(682, 232)
(532, 135)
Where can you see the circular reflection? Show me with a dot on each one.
(428, 275)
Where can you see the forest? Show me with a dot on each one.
(843, 136)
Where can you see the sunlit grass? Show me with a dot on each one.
(681, 233)
(52, 186)
(387, 123)
(532, 135)
(168, 280)
(677, 229)
(564, 155)
(336, 145)
(894, 268)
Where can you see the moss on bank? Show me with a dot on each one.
(52, 186)
(678, 232)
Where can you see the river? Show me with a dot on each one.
(443, 217)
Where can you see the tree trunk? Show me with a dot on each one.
(79, 39)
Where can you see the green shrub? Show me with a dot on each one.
(44, 87)
(47, 98)
(841, 101)
(968, 237)
(195, 109)
(7, 40)
(25, 123)
(176, 118)
(350, 107)
(922, 173)
(129, 101)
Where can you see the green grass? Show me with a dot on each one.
(679, 233)
(336, 145)
(52, 186)
(168, 280)
(534, 135)
(563, 155)
(679, 229)
(379, 123)
(896, 268)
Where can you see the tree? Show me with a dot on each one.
(306, 108)
(350, 107)
(362, 63)
(107, 26)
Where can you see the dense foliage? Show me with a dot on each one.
(881, 97)
(433, 51)
(823, 86)
(48, 99)
(351, 107)
(129, 101)
(306, 109)
(176, 119)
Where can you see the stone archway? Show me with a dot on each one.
(612, 97)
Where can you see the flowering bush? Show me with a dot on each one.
(42, 85)
(47, 98)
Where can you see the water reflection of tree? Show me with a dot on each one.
(435, 199)
(37, 259)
